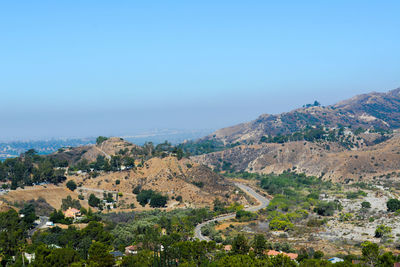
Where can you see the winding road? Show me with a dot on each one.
(263, 202)
(43, 221)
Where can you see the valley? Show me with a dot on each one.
(314, 181)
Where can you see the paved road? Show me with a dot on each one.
(43, 221)
(263, 202)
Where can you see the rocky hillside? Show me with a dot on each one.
(378, 110)
(198, 185)
(109, 147)
(339, 142)
(322, 159)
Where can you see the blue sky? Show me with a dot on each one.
(87, 68)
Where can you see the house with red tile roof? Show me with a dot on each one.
(72, 213)
(272, 253)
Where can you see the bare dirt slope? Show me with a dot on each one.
(335, 163)
(51, 193)
(198, 185)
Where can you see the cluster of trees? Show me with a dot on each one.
(245, 216)
(308, 134)
(204, 147)
(155, 199)
(296, 196)
(103, 164)
(30, 169)
(70, 203)
(151, 231)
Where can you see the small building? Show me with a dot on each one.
(49, 223)
(72, 213)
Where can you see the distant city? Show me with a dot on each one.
(11, 149)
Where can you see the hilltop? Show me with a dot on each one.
(373, 110)
(352, 140)
(107, 148)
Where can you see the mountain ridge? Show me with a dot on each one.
(352, 140)
(381, 110)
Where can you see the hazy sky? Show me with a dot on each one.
(79, 68)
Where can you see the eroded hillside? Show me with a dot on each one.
(322, 159)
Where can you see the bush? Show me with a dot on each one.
(314, 222)
(327, 208)
(93, 201)
(382, 230)
(393, 205)
(245, 216)
(277, 224)
(137, 190)
(353, 195)
(365, 205)
(117, 182)
(71, 185)
(179, 198)
(100, 139)
(318, 254)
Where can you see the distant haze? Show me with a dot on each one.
(76, 69)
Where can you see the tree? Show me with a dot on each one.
(370, 253)
(387, 259)
(259, 244)
(62, 257)
(219, 206)
(29, 214)
(282, 260)
(93, 201)
(241, 260)
(318, 254)
(11, 232)
(71, 185)
(393, 205)
(365, 205)
(70, 203)
(144, 197)
(157, 200)
(99, 254)
(143, 258)
(100, 139)
(240, 245)
(382, 230)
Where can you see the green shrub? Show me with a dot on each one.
(365, 205)
(325, 208)
(382, 230)
(71, 185)
(245, 216)
(277, 224)
(393, 205)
